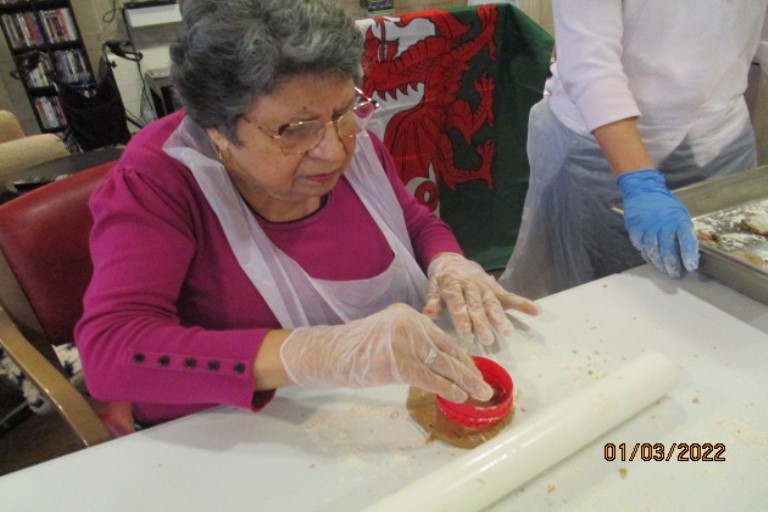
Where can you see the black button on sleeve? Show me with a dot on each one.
(239, 368)
(214, 366)
(190, 362)
(163, 360)
(138, 357)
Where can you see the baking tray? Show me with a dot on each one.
(719, 205)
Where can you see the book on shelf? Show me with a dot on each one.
(35, 33)
(70, 66)
(30, 29)
(23, 30)
(50, 111)
(59, 25)
(47, 54)
(38, 77)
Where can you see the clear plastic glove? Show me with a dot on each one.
(475, 301)
(659, 225)
(396, 345)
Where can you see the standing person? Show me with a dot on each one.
(260, 237)
(646, 96)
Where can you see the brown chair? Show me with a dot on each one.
(45, 267)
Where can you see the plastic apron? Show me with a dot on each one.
(568, 234)
(295, 297)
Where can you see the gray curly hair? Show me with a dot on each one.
(228, 53)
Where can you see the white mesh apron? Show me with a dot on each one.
(296, 298)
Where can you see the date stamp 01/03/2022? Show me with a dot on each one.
(683, 452)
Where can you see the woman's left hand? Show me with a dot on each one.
(474, 299)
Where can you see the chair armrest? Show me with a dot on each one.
(10, 128)
(68, 401)
(17, 155)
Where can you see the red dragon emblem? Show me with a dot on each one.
(419, 137)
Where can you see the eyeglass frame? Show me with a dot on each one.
(366, 100)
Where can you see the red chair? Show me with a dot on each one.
(45, 267)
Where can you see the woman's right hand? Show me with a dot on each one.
(396, 345)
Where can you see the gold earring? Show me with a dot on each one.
(225, 155)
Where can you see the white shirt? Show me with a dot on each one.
(762, 51)
(670, 62)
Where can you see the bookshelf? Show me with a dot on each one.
(46, 46)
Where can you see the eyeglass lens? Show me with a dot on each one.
(301, 137)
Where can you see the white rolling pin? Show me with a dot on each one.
(480, 477)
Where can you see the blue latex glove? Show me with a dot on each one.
(659, 225)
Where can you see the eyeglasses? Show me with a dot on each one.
(302, 136)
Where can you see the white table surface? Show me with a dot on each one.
(343, 450)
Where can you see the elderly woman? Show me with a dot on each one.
(261, 238)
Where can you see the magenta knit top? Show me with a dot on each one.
(171, 322)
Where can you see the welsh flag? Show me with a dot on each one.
(455, 88)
